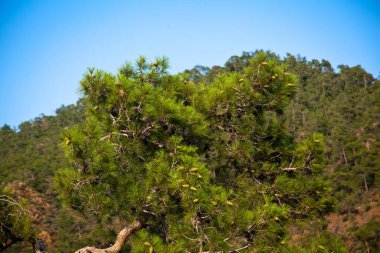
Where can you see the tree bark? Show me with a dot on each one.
(120, 240)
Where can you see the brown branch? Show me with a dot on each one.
(120, 240)
(9, 242)
(38, 244)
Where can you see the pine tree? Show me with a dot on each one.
(191, 167)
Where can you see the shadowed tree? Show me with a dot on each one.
(15, 224)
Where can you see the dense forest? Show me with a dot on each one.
(282, 155)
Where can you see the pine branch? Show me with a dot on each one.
(120, 240)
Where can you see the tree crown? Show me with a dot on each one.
(205, 166)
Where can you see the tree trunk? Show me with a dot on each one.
(294, 119)
(303, 119)
(120, 240)
(344, 155)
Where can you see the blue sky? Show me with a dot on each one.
(46, 46)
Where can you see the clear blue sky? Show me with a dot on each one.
(46, 46)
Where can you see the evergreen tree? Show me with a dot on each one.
(193, 167)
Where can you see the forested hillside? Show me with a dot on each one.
(343, 105)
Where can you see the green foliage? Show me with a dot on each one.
(322, 242)
(229, 125)
(14, 220)
(369, 236)
(205, 166)
(344, 107)
(32, 153)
